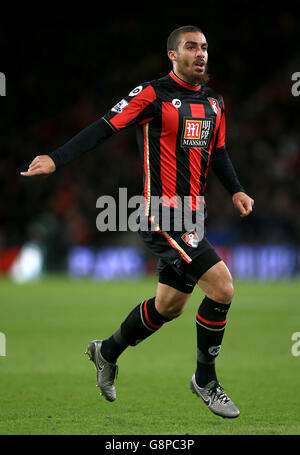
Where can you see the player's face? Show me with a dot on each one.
(190, 58)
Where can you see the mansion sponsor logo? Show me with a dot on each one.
(196, 132)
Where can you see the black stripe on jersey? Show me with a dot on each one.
(205, 153)
(183, 177)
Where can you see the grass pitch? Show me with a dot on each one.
(47, 384)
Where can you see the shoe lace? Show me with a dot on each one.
(217, 393)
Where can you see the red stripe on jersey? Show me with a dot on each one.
(168, 166)
(135, 107)
(222, 127)
(197, 110)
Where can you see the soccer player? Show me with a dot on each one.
(180, 133)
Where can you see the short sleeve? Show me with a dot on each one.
(135, 108)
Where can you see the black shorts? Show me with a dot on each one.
(182, 258)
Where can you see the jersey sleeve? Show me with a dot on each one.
(220, 139)
(137, 107)
(224, 170)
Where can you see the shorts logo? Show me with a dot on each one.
(120, 106)
(196, 132)
(214, 104)
(191, 239)
(136, 90)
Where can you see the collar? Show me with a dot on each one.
(184, 84)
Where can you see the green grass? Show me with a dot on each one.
(47, 384)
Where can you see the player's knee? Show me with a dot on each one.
(176, 311)
(225, 292)
(170, 307)
(228, 292)
(222, 291)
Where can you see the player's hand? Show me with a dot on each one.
(41, 166)
(243, 203)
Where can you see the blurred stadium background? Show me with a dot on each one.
(59, 79)
(62, 78)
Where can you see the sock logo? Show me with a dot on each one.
(221, 311)
(214, 350)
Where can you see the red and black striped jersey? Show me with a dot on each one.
(179, 127)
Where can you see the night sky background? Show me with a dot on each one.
(62, 77)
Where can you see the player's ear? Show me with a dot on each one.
(172, 55)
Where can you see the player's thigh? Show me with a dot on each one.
(169, 301)
(217, 283)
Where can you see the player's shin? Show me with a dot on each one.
(210, 324)
(142, 321)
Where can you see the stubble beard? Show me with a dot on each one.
(196, 78)
(203, 78)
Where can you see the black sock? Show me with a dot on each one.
(143, 321)
(210, 324)
(113, 346)
(205, 373)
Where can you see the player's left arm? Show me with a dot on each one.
(243, 203)
(224, 169)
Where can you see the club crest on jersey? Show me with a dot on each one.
(191, 239)
(214, 104)
(120, 106)
(196, 132)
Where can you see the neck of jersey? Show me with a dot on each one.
(184, 84)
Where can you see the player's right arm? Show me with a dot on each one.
(41, 165)
(137, 107)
